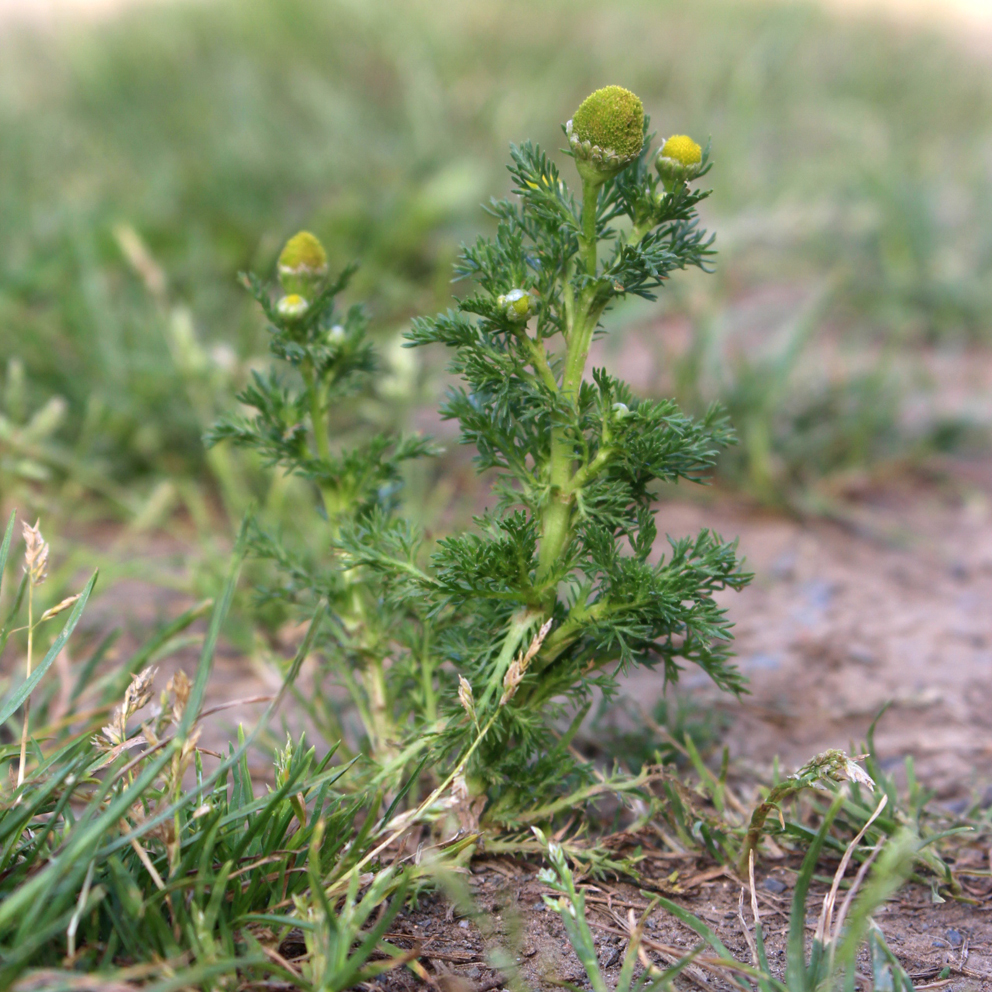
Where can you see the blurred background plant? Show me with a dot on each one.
(148, 159)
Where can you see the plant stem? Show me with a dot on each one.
(378, 722)
(27, 702)
(318, 419)
(590, 200)
(381, 728)
(427, 677)
(317, 414)
(556, 522)
(752, 838)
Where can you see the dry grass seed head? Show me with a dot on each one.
(58, 608)
(137, 695)
(35, 553)
(179, 685)
(465, 696)
(518, 667)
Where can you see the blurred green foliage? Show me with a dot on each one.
(215, 129)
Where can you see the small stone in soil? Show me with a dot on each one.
(775, 885)
(609, 957)
(954, 938)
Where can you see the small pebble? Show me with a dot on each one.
(463, 924)
(940, 943)
(954, 938)
(775, 885)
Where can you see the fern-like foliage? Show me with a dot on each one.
(561, 587)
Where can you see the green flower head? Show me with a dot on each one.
(607, 132)
(302, 263)
(611, 118)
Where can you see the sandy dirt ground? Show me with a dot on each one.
(927, 938)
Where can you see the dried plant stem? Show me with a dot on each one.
(27, 702)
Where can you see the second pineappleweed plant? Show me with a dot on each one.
(488, 637)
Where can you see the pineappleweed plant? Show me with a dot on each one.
(473, 649)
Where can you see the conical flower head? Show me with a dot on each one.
(611, 118)
(302, 263)
(607, 132)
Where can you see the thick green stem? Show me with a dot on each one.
(556, 521)
(378, 717)
(556, 527)
(540, 362)
(590, 199)
(589, 472)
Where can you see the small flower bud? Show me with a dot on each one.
(679, 160)
(607, 133)
(621, 410)
(517, 305)
(292, 307)
(336, 333)
(302, 263)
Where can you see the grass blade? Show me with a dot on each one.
(15, 701)
(5, 547)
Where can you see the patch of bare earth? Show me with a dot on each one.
(513, 917)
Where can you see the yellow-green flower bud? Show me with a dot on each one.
(292, 307)
(679, 160)
(302, 263)
(606, 133)
(517, 304)
(621, 410)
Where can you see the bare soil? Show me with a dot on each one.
(512, 915)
